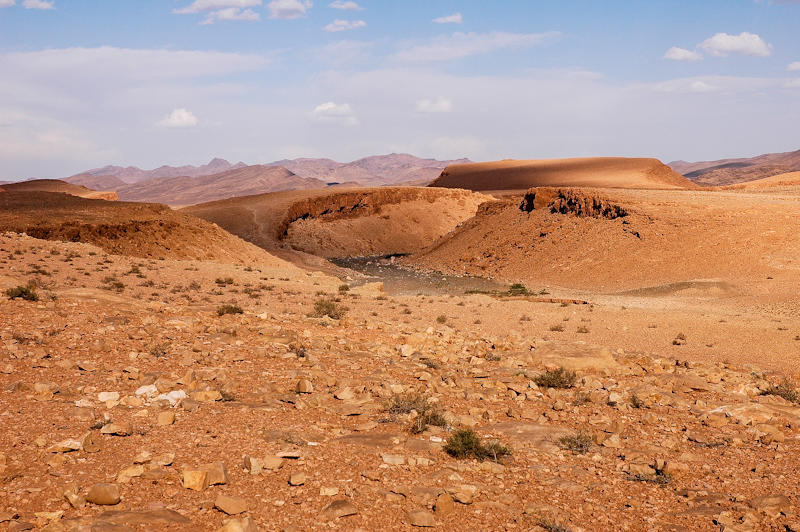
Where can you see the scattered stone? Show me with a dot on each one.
(298, 478)
(337, 509)
(196, 480)
(304, 386)
(421, 518)
(245, 524)
(104, 494)
(166, 418)
(230, 505)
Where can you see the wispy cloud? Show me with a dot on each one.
(345, 5)
(439, 105)
(38, 4)
(459, 45)
(344, 25)
(455, 18)
(793, 67)
(289, 9)
(337, 113)
(682, 54)
(7, 3)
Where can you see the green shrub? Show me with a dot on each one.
(23, 292)
(785, 389)
(229, 309)
(557, 378)
(517, 289)
(465, 443)
(580, 443)
(441, 319)
(328, 307)
(344, 288)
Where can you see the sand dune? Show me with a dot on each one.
(56, 185)
(607, 172)
(344, 222)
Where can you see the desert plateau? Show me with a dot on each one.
(438, 272)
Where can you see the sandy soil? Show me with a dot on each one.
(678, 337)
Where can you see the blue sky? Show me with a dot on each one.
(150, 82)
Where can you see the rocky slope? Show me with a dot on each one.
(244, 181)
(136, 229)
(56, 185)
(733, 171)
(131, 403)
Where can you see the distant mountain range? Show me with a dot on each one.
(733, 171)
(219, 179)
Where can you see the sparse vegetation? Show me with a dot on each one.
(427, 413)
(550, 525)
(405, 403)
(557, 328)
(465, 443)
(517, 289)
(556, 378)
(660, 478)
(222, 282)
(344, 288)
(23, 292)
(328, 307)
(635, 401)
(784, 389)
(580, 443)
(441, 319)
(229, 309)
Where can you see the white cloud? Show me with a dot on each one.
(702, 86)
(682, 54)
(231, 13)
(722, 45)
(7, 3)
(345, 5)
(289, 9)
(198, 6)
(339, 113)
(793, 67)
(793, 84)
(458, 45)
(178, 118)
(455, 18)
(439, 105)
(344, 25)
(38, 4)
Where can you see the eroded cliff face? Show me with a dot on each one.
(375, 222)
(571, 201)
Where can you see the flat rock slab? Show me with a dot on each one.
(142, 517)
(574, 357)
(371, 439)
(532, 435)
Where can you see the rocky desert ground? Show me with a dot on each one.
(629, 366)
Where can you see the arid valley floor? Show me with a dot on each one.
(629, 368)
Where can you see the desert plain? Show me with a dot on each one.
(573, 345)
